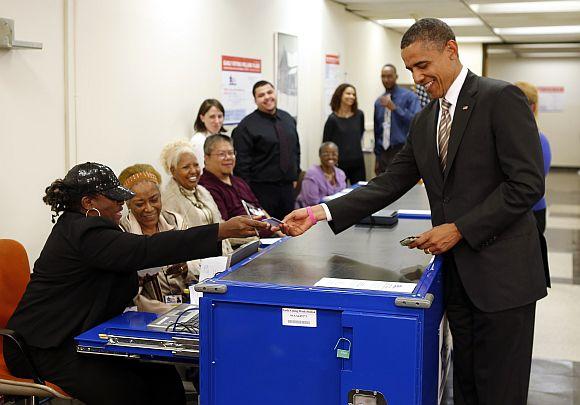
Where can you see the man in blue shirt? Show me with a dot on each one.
(394, 111)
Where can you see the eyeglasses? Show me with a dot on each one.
(223, 154)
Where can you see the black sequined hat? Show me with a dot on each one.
(95, 178)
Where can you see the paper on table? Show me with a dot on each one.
(269, 241)
(209, 267)
(366, 285)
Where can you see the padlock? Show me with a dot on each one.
(343, 353)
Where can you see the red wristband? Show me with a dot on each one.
(311, 215)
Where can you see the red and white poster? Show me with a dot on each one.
(332, 78)
(238, 77)
(551, 98)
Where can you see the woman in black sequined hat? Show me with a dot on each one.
(87, 274)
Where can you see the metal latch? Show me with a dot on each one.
(415, 302)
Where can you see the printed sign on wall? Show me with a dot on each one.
(551, 98)
(238, 77)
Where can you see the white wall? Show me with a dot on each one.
(139, 70)
(561, 128)
(122, 78)
(471, 56)
(143, 67)
(31, 120)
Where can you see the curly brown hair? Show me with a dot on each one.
(337, 96)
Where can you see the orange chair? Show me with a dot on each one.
(14, 276)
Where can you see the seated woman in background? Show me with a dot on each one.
(209, 121)
(183, 194)
(146, 216)
(322, 180)
(87, 274)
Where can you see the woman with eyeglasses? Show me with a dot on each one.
(227, 190)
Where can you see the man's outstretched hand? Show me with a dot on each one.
(298, 221)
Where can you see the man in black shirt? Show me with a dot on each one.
(268, 152)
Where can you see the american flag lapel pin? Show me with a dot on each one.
(465, 107)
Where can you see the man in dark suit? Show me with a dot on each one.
(477, 149)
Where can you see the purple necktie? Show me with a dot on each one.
(284, 146)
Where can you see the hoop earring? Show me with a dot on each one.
(92, 209)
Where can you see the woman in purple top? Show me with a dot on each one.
(322, 180)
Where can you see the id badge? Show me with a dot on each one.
(173, 299)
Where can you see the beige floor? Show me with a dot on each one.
(557, 333)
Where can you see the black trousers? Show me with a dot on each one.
(492, 351)
(355, 171)
(387, 156)
(276, 198)
(101, 380)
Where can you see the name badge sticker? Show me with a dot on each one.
(173, 299)
(305, 318)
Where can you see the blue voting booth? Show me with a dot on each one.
(324, 319)
(319, 319)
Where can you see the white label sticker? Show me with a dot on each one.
(393, 286)
(305, 318)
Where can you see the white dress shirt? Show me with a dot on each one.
(452, 96)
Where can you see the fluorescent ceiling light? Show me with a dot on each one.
(397, 22)
(544, 30)
(478, 39)
(463, 22)
(453, 22)
(550, 55)
(546, 46)
(499, 51)
(527, 7)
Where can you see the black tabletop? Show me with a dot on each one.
(359, 253)
(414, 199)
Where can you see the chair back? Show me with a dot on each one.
(14, 277)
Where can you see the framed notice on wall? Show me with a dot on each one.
(286, 72)
(332, 78)
(551, 98)
(238, 77)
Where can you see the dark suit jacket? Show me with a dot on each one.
(87, 274)
(492, 179)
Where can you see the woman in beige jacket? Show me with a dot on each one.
(158, 287)
(182, 194)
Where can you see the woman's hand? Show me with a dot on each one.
(242, 227)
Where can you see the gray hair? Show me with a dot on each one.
(430, 30)
(172, 152)
(211, 140)
(325, 145)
